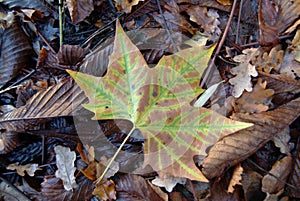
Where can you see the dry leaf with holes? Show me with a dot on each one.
(236, 178)
(243, 72)
(270, 61)
(256, 101)
(106, 191)
(65, 163)
(126, 5)
(281, 170)
(21, 169)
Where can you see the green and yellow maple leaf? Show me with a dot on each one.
(157, 102)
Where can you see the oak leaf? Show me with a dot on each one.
(21, 169)
(157, 102)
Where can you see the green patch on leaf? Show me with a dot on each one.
(157, 102)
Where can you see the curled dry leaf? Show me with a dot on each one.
(281, 140)
(15, 48)
(256, 101)
(168, 183)
(281, 170)
(270, 61)
(126, 5)
(236, 147)
(106, 191)
(71, 54)
(80, 9)
(133, 187)
(243, 72)
(236, 178)
(65, 163)
(21, 169)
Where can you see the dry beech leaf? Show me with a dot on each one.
(236, 147)
(133, 187)
(168, 183)
(256, 101)
(106, 191)
(52, 189)
(126, 5)
(243, 72)
(21, 169)
(71, 54)
(236, 178)
(80, 9)
(15, 50)
(206, 19)
(65, 163)
(281, 169)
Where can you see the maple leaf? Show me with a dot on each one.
(157, 102)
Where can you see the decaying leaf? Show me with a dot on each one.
(71, 54)
(43, 6)
(224, 2)
(256, 101)
(157, 102)
(21, 169)
(243, 72)
(106, 191)
(126, 5)
(53, 189)
(281, 170)
(8, 193)
(295, 176)
(15, 50)
(236, 178)
(80, 9)
(206, 19)
(168, 183)
(65, 164)
(133, 187)
(236, 147)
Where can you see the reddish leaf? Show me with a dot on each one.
(106, 190)
(236, 147)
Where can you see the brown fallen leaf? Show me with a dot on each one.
(21, 169)
(126, 5)
(133, 187)
(224, 2)
(80, 9)
(256, 101)
(236, 147)
(206, 19)
(236, 178)
(243, 72)
(270, 61)
(281, 169)
(106, 191)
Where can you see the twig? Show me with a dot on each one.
(205, 78)
(166, 25)
(115, 156)
(238, 22)
(60, 7)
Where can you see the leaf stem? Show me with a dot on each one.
(115, 156)
(60, 7)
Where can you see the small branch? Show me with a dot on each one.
(115, 156)
(205, 78)
(60, 7)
